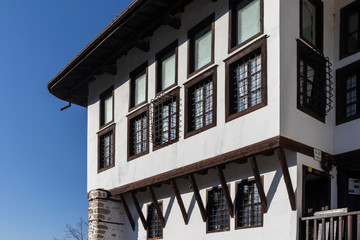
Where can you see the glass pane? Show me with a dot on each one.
(352, 42)
(353, 22)
(248, 20)
(308, 21)
(108, 109)
(202, 48)
(140, 88)
(351, 82)
(168, 70)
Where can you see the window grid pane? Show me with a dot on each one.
(351, 95)
(154, 225)
(202, 104)
(106, 149)
(139, 131)
(219, 215)
(249, 211)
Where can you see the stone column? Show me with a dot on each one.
(106, 217)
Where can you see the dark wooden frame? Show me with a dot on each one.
(350, 8)
(175, 188)
(319, 24)
(197, 195)
(232, 60)
(141, 68)
(130, 117)
(160, 204)
(237, 183)
(138, 209)
(233, 26)
(211, 73)
(207, 210)
(127, 211)
(176, 93)
(109, 128)
(259, 182)
(158, 56)
(341, 74)
(210, 20)
(102, 97)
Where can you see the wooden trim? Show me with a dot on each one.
(190, 51)
(232, 46)
(160, 204)
(138, 209)
(225, 190)
(210, 73)
(156, 205)
(258, 181)
(158, 56)
(109, 128)
(287, 179)
(142, 67)
(179, 200)
(197, 195)
(101, 113)
(127, 211)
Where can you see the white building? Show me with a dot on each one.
(210, 120)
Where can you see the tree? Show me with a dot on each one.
(78, 232)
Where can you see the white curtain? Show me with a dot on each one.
(108, 108)
(248, 20)
(140, 88)
(203, 49)
(168, 71)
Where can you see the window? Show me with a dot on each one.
(348, 93)
(314, 86)
(200, 102)
(106, 107)
(218, 213)
(166, 68)
(246, 80)
(138, 143)
(106, 149)
(138, 86)
(248, 205)
(246, 19)
(311, 22)
(155, 230)
(201, 45)
(165, 120)
(349, 29)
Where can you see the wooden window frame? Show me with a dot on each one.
(208, 209)
(210, 73)
(341, 74)
(233, 26)
(237, 203)
(232, 60)
(130, 117)
(148, 222)
(319, 24)
(100, 134)
(210, 20)
(350, 8)
(159, 55)
(141, 68)
(102, 98)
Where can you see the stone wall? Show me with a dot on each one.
(106, 216)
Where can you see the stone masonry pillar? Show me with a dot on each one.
(106, 217)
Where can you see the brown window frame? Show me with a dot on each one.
(209, 75)
(132, 75)
(237, 203)
(103, 96)
(156, 134)
(233, 25)
(172, 47)
(210, 20)
(209, 209)
(341, 75)
(344, 14)
(258, 46)
(135, 115)
(110, 128)
(319, 24)
(158, 222)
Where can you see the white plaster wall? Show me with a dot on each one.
(251, 128)
(294, 123)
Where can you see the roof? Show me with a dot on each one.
(129, 29)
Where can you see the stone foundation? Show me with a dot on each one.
(106, 217)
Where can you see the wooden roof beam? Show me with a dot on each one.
(179, 200)
(143, 45)
(138, 209)
(197, 195)
(255, 169)
(172, 21)
(225, 190)
(127, 211)
(156, 205)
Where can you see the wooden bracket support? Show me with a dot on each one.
(138, 209)
(197, 196)
(156, 205)
(127, 211)
(179, 200)
(258, 181)
(172, 21)
(143, 45)
(225, 190)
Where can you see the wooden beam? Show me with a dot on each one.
(179, 200)
(143, 45)
(285, 170)
(259, 183)
(127, 211)
(156, 205)
(197, 196)
(138, 209)
(172, 21)
(225, 190)
(110, 69)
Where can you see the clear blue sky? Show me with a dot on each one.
(43, 150)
